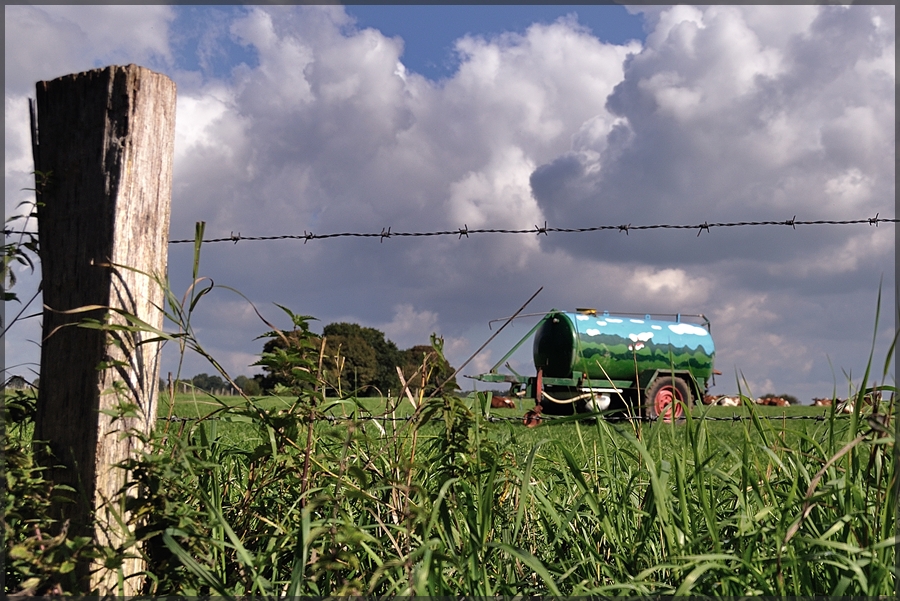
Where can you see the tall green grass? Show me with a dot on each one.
(452, 508)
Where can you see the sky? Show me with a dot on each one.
(328, 119)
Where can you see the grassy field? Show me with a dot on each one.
(200, 404)
(725, 428)
(726, 425)
(256, 499)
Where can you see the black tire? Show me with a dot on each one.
(662, 393)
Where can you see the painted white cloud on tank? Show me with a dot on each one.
(688, 329)
(642, 336)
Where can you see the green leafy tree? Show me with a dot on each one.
(208, 383)
(290, 358)
(350, 364)
(387, 355)
(248, 386)
(436, 368)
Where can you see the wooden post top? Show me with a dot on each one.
(130, 68)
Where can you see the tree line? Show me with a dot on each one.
(356, 360)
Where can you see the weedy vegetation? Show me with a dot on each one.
(308, 495)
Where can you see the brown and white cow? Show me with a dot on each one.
(502, 402)
(728, 401)
(772, 401)
(841, 405)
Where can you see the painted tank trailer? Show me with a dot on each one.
(587, 361)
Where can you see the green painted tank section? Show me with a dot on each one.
(602, 345)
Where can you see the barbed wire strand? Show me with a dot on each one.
(387, 233)
(465, 231)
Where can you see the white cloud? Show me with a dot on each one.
(198, 118)
(850, 187)
(480, 365)
(496, 195)
(675, 285)
(282, 61)
(19, 164)
(18, 135)
(733, 114)
(843, 256)
(409, 327)
(45, 42)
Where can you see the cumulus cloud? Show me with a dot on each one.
(716, 123)
(722, 114)
(407, 327)
(44, 42)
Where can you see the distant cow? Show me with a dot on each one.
(724, 401)
(532, 418)
(498, 402)
(872, 399)
(842, 406)
(772, 401)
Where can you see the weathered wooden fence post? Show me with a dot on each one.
(105, 140)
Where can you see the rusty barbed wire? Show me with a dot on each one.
(465, 231)
(387, 233)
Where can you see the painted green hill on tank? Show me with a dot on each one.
(618, 359)
(594, 344)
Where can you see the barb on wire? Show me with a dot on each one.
(546, 229)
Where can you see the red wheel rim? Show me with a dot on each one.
(665, 402)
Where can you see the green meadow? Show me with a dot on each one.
(311, 496)
(450, 501)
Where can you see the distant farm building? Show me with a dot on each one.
(18, 383)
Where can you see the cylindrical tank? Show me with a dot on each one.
(595, 343)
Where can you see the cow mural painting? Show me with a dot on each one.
(587, 361)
